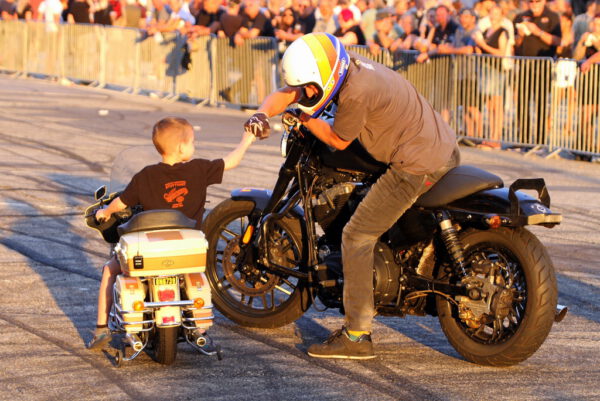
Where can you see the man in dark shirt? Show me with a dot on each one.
(445, 28)
(176, 183)
(254, 23)
(207, 18)
(538, 35)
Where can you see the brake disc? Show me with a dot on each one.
(253, 284)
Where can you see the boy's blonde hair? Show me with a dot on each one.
(169, 133)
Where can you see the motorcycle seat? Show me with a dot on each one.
(459, 182)
(151, 220)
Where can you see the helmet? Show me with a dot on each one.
(319, 59)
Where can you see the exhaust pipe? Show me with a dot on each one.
(134, 341)
(199, 339)
(560, 313)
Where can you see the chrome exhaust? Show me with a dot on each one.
(134, 341)
(560, 313)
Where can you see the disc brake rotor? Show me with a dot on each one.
(252, 284)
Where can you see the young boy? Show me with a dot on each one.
(176, 182)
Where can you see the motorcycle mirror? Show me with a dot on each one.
(100, 192)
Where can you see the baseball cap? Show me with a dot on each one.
(346, 15)
(383, 13)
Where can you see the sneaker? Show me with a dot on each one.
(101, 338)
(339, 345)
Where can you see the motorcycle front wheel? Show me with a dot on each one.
(165, 344)
(257, 297)
(526, 271)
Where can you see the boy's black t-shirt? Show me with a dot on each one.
(181, 186)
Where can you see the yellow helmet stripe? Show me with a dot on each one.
(322, 53)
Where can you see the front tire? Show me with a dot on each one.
(165, 344)
(525, 262)
(262, 299)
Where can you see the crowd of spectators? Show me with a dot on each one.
(551, 28)
(429, 28)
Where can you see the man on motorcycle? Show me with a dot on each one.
(395, 124)
(177, 182)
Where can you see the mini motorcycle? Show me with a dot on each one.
(162, 296)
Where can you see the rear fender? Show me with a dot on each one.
(515, 208)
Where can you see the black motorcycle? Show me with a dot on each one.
(461, 252)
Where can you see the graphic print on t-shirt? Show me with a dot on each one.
(175, 193)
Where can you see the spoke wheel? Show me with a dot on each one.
(250, 295)
(522, 305)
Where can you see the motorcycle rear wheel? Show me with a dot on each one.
(527, 326)
(165, 344)
(264, 300)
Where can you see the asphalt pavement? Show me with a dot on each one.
(57, 144)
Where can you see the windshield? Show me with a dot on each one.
(129, 162)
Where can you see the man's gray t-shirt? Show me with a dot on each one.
(393, 122)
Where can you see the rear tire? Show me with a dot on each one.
(535, 316)
(165, 344)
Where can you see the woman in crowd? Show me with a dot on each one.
(287, 30)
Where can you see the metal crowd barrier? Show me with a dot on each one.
(512, 101)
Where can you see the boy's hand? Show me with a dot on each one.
(101, 215)
(258, 125)
(248, 137)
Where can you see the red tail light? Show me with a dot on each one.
(166, 295)
(168, 319)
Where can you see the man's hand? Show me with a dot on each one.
(258, 125)
(293, 117)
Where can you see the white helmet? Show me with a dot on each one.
(319, 59)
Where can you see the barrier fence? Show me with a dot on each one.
(517, 101)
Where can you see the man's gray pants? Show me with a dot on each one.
(393, 193)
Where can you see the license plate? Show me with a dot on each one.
(165, 281)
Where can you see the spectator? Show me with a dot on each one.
(103, 13)
(287, 30)
(116, 7)
(24, 10)
(349, 31)
(445, 27)
(589, 44)
(590, 99)
(467, 85)
(565, 49)
(305, 15)
(367, 18)
(346, 4)
(581, 24)
(387, 35)
(538, 35)
(485, 23)
(51, 11)
(273, 10)
(8, 10)
(207, 18)
(441, 33)
(325, 20)
(538, 31)
(157, 17)
(79, 12)
(409, 32)
(195, 6)
(494, 42)
(134, 15)
(230, 21)
(254, 23)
